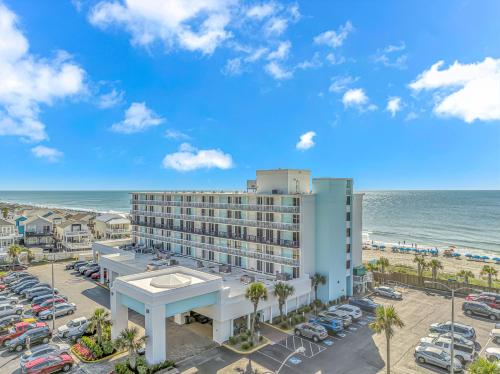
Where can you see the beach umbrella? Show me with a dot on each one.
(476, 257)
(456, 254)
(382, 246)
(468, 255)
(485, 257)
(496, 258)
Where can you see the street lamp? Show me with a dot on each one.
(298, 350)
(452, 290)
(53, 295)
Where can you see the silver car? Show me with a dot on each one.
(12, 300)
(436, 356)
(456, 337)
(464, 353)
(44, 350)
(60, 310)
(339, 314)
(7, 309)
(388, 292)
(351, 310)
(74, 328)
(312, 331)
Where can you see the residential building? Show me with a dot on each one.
(20, 224)
(8, 234)
(38, 232)
(111, 226)
(72, 235)
(284, 227)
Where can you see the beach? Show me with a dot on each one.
(450, 265)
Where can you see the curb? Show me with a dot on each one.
(289, 332)
(255, 349)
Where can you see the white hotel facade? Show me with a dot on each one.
(284, 227)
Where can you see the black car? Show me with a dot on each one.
(38, 335)
(364, 303)
(200, 317)
(480, 309)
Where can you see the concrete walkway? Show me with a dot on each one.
(272, 333)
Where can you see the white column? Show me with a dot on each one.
(101, 273)
(221, 330)
(286, 307)
(119, 315)
(155, 326)
(180, 318)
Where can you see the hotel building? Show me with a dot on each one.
(284, 227)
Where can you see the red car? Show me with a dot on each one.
(48, 364)
(2, 287)
(488, 300)
(47, 304)
(97, 276)
(18, 329)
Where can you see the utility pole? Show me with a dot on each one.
(53, 295)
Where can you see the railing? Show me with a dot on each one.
(220, 249)
(227, 221)
(118, 231)
(221, 234)
(196, 204)
(34, 233)
(76, 233)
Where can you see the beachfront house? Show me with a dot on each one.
(8, 234)
(72, 235)
(111, 226)
(38, 232)
(20, 224)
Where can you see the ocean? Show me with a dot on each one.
(470, 220)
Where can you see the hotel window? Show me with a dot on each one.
(295, 236)
(203, 254)
(211, 255)
(260, 233)
(269, 201)
(168, 197)
(237, 214)
(181, 198)
(237, 200)
(203, 199)
(188, 251)
(203, 212)
(269, 250)
(348, 248)
(295, 254)
(348, 200)
(237, 261)
(270, 217)
(259, 200)
(169, 210)
(211, 213)
(296, 218)
(229, 214)
(210, 240)
(269, 269)
(229, 258)
(188, 211)
(348, 264)
(295, 272)
(296, 201)
(211, 199)
(202, 239)
(229, 199)
(259, 216)
(348, 216)
(259, 265)
(348, 232)
(189, 198)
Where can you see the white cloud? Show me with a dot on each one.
(233, 67)
(261, 11)
(314, 62)
(392, 56)
(394, 105)
(176, 134)
(256, 54)
(138, 118)
(334, 38)
(341, 83)
(282, 52)
(195, 25)
(334, 60)
(276, 26)
(277, 71)
(50, 154)
(306, 141)
(467, 91)
(357, 98)
(111, 99)
(188, 158)
(27, 82)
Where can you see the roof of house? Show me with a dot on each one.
(35, 218)
(4, 222)
(106, 217)
(70, 222)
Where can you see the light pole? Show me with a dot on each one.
(53, 296)
(452, 290)
(298, 350)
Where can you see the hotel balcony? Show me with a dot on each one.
(77, 233)
(223, 235)
(251, 207)
(117, 231)
(35, 233)
(222, 220)
(221, 249)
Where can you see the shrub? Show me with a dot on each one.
(245, 346)
(261, 338)
(123, 368)
(284, 325)
(250, 344)
(244, 337)
(96, 350)
(162, 365)
(107, 347)
(233, 340)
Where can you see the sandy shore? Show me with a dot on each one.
(451, 265)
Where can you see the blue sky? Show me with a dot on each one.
(198, 94)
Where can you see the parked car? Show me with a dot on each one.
(11, 319)
(464, 330)
(41, 292)
(75, 327)
(437, 357)
(91, 271)
(25, 282)
(200, 318)
(48, 304)
(18, 329)
(338, 314)
(48, 364)
(44, 350)
(480, 309)
(60, 310)
(86, 263)
(25, 286)
(492, 294)
(388, 292)
(6, 309)
(464, 353)
(39, 335)
(312, 331)
(331, 325)
(488, 300)
(364, 303)
(492, 354)
(19, 280)
(82, 269)
(72, 265)
(97, 275)
(40, 299)
(39, 287)
(352, 310)
(8, 300)
(495, 335)
(456, 337)
(15, 276)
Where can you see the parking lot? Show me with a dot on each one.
(357, 349)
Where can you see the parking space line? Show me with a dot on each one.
(272, 358)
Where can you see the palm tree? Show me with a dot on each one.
(282, 291)
(255, 293)
(14, 251)
(383, 262)
(483, 366)
(29, 254)
(316, 281)
(421, 265)
(466, 274)
(491, 272)
(386, 320)
(435, 265)
(128, 340)
(5, 212)
(98, 321)
(371, 266)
